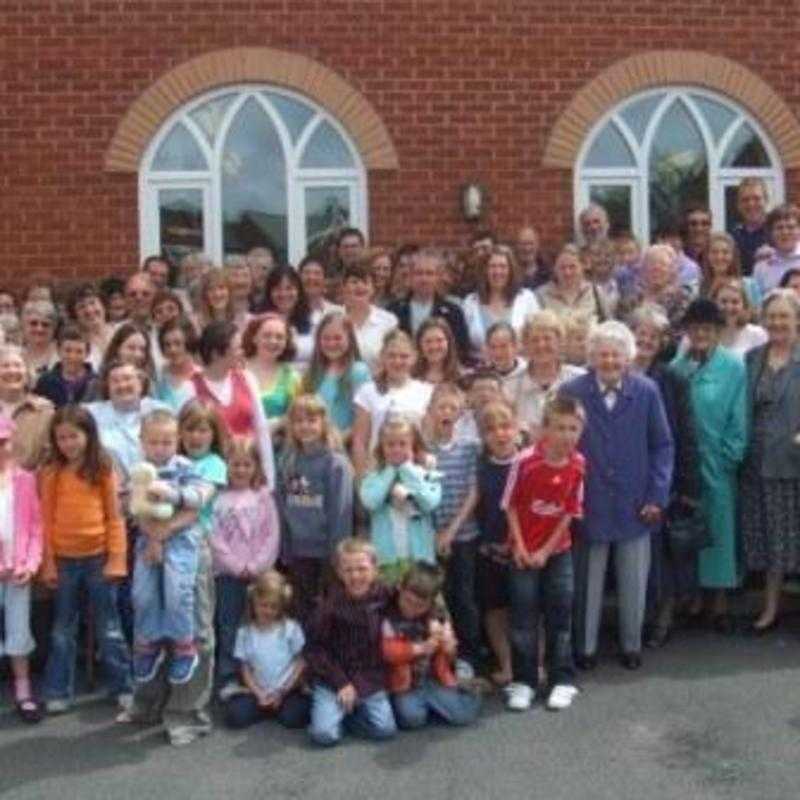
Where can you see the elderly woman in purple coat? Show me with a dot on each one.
(629, 455)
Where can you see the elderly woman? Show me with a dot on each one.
(717, 390)
(629, 455)
(673, 575)
(85, 306)
(770, 482)
(31, 413)
(233, 391)
(542, 346)
(39, 322)
(783, 229)
(570, 290)
(500, 298)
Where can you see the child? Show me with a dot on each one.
(457, 531)
(315, 497)
(20, 556)
(84, 549)
(268, 650)
(344, 651)
(244, 543)
(543, 495)
(69, 380)
(420, 651)
(500, 435)
(165, 570)
(336, 371)
(400, 495)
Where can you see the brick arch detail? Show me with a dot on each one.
(671, 67)
(245, 65)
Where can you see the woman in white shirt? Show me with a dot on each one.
(739, 334)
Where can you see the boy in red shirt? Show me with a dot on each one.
(544, 493)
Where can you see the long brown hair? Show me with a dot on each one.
(514, 283)
(452, 366)
(318, 366)
(96, 461)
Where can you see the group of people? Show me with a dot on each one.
(353, 494)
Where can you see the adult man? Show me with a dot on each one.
(534, 270)
(159, 270)
(593, 224)
(751, 233)
(423, 301)
(481, 244)
(260, 260)
(139, 294)
(349, 247)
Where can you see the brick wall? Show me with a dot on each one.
(466, 88)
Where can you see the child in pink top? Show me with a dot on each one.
(20, 556)
(245, 540)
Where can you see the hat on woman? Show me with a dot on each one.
(703, 312)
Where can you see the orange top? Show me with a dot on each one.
(82, 520)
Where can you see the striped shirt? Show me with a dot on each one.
(457, 461)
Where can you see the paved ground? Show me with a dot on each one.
(709, 717)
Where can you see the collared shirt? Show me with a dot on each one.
(610, 392)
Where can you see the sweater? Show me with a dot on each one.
(315, 499)
(82, 520)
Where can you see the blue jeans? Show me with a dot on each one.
(163, 594)
(447, 703)
(75, 574)
(231, 602)
(242, 711)
(549, 589)
(460, 593)
(372, 717)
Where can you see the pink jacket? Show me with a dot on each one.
(26, 551)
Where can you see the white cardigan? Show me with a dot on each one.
(524, 304)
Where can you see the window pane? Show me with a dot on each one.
(294, 114)
(326, 149)
(637, 115)
(716, 115)
(609, 149)
(616, 200)
(678, 167)
(180, 152)
(180, 213)
(327, 211)
(253, 184)
(209, 116)
(745, 150)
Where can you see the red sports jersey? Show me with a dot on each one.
(542, 494)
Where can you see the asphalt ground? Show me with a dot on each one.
(709, 717)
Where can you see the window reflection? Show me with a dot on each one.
(180, 214)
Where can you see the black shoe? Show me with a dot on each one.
(586, 663)
(658, 636)
(631, 660)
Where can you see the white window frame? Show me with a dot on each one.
(638, 176)
(210, 180)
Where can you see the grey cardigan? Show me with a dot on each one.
(780, 455)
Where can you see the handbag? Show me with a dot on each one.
(688, 532)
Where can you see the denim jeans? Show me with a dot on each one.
(372, 717)
(75, 574)
(231, 602)
(163, 594)
(447, 703)
(549, 589)
(242, 711)
(460, 592)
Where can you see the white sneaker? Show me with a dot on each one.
(519, 697)
(57, 706)
(561, 697)
(125, 701)
(464, 670)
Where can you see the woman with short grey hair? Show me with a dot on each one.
(39, 320)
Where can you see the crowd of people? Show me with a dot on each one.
(358, 493)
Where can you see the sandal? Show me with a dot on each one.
(29, 710)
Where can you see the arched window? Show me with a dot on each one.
(665, 149)
(248, 166)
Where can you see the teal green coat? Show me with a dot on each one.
(718, 393)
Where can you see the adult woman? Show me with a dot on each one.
(31, 413)
(542, 346)
(178, 342)
(717, 389)
(214, 299)
(39, 320)
(85, 306)
(437, 359)
(312, 275)
(268, 347)
(569, 290)
(232, 391)
(783, 228)
(629, 457)
(167, 305)
(130, 343)
(240, 284)
(378, 262)
(770, 484)
(723, 264)
(500, 297)
(285, 296)
(739, 334)
(673, 576)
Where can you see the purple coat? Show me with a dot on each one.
(629, 456)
